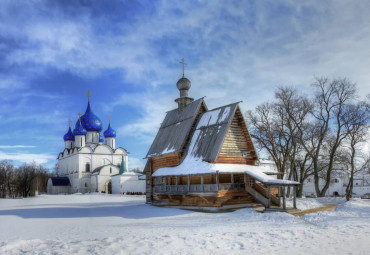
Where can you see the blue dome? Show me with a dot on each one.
(101, 138)
(90, 121)
(69, 136)
(110, 132)
(79, 130)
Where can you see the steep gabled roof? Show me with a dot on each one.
(175, 130)
(210, 133)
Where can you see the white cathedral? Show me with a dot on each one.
(88, 160)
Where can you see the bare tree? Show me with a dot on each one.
(274, 126)
(328, 128)
(357, 127)
(26, 174)
(8, 177)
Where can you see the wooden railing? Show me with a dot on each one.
(196, 188)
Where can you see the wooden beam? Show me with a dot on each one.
(232, 178)
(217, 180)
(188, 183)
(284, 199)
(165, 183)
(202, 182)
(245, 181)
(294, 197)
(177, 187)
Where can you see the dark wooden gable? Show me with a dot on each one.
(237, 147)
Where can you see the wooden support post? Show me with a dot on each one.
(294, 197)
(284, 198)
(232, 178)
(188, 183)
(177, 187)
(165, 184)
(269, 196)
(202, 182)
(217, 181)
(245, 182)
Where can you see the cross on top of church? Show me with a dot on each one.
(88, 94)
(183, 66)
(109, 118)
(79, 115)
(69, 121)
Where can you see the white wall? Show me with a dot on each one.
(127, 182)
(73, 166)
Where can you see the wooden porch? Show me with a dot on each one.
(236, 187)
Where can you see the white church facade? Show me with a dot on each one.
(90, 158)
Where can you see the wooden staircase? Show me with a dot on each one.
(259, 193)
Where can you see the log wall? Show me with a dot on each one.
(222, 198)
(168, 160)
(237, 147)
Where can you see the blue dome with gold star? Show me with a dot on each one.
(79, 129)
(69, 135)
(101, 138)
(90, 121)
(110, 132)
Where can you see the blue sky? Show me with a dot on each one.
(128, 52)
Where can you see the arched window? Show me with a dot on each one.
(87, 167)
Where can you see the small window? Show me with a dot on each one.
(85, 185)
(87, 167)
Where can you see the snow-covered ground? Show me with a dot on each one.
(109, 224)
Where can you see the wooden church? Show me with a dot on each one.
(205, 158)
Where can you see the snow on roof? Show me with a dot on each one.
(196, 166)
(207, 140)
(213, 117)
(175, 129)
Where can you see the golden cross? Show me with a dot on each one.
(183, 66)
(79, 115)
(88, 94)
(109, 117)
(69, 121)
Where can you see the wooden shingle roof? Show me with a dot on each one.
(175, 129)
(210, 133)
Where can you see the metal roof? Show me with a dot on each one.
(60, 181)
(175, 129)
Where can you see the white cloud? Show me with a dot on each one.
(41, 158)
(16, 146)
(235, 51)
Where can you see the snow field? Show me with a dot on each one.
(109, 224)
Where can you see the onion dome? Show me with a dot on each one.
(69, 135)
(110, 132)
(79, 129)
(101, 138)
(90, 121)
(183, 84)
